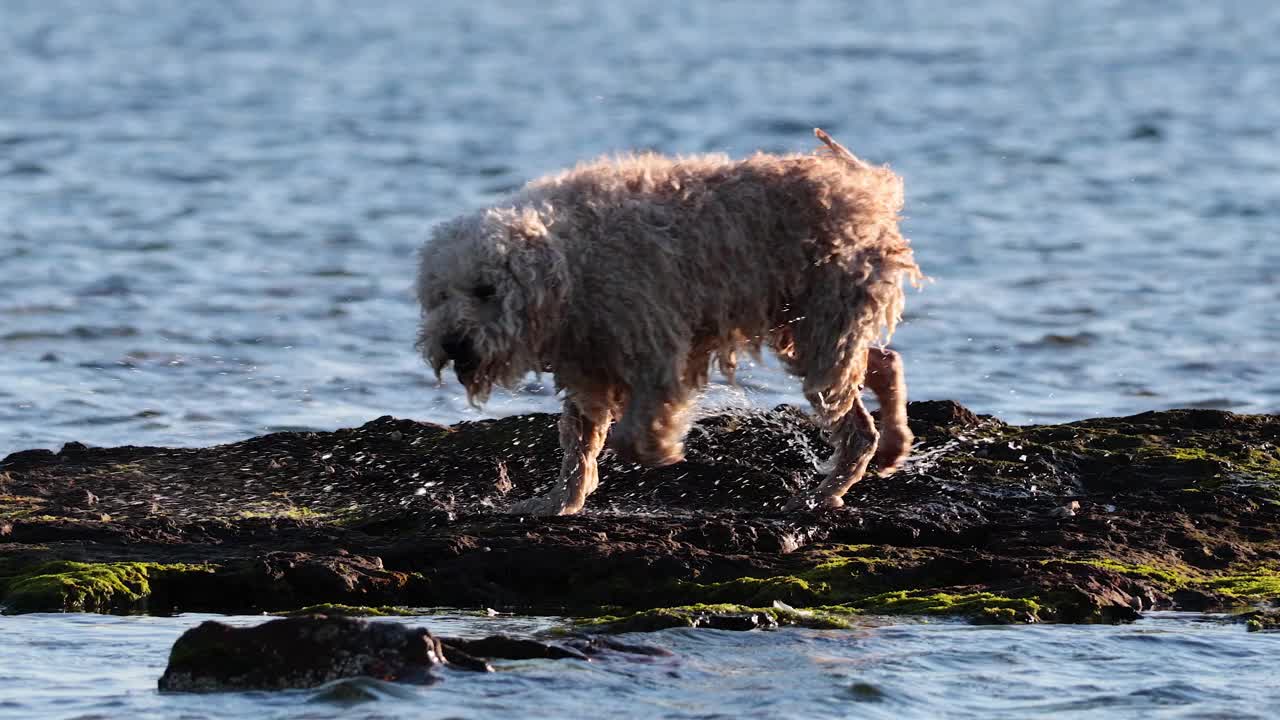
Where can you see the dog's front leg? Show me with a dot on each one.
(582, 434)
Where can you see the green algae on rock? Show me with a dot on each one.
(338, 609)
(1260, 620)
(717, 616)
(981, 606)
(1259, 585)
(984, 608)
(1091, 521)
(86, 587)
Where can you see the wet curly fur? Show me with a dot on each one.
(629, 277)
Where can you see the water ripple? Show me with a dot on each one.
(68, 664)
(197, 179)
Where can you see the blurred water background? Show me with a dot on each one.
(209, 211)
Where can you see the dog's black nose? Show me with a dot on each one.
(459, 350)
(455, 346)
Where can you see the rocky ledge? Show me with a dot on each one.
(1089, 521)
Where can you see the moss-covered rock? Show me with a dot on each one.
(87, 587)
(720, 616)
(337, 609)
(1092, 521)
(1260, 620)
(982, 606)
(1254, 586)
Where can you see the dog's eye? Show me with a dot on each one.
(484, 292)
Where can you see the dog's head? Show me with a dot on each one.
(492, 287)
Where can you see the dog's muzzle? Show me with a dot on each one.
(458, 349)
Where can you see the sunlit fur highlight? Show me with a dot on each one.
(629, 277)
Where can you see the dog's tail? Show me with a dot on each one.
(840, 151)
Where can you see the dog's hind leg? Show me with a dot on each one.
(583, 428)
(854, 437)
(885, 378)
(830, 344)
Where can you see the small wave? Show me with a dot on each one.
(1057, 340)
(109, 286)
(79, 332)
(188, 177)
(361, 690)
(36, 309)
(24, 169)
(1213, 403)
(908, 55)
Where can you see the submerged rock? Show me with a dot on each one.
(1260, 620)
(507, 648)
(300, 652)
(1092, 521)
(313, 650)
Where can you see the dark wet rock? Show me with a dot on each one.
(866, 692)
(734, 621)
(24, 459)
(507, 648)
(300, 652)
(943, 414)
(298, 579)
(1194, 600)
(1091, 521)
(1260, 620)
(313, 650)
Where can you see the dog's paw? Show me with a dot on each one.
(805, 502)
(544, 506)
(893, 449)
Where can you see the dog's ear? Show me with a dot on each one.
(539, 267)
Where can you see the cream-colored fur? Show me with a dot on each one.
(628, 277)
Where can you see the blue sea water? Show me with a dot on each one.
(1165, 666)
(209, 211)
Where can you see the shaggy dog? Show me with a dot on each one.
(627, 278)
